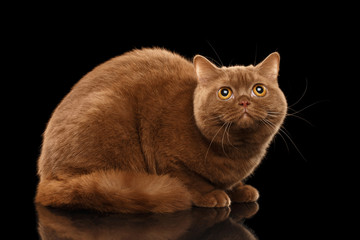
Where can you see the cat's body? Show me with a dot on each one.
(149, 132)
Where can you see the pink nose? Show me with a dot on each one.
(244, 103)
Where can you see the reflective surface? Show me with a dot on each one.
(197, 223)
(305, 182)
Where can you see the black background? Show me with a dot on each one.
(302, 181)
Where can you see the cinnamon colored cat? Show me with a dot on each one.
(149, 131)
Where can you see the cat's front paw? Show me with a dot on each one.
(215, 198)
(244, 193)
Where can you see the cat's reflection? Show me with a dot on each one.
(197, 223)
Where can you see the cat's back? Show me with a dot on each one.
(138, 74)
(147, 65)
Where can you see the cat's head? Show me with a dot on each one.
(232, 101)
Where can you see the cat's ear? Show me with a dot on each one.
(269, 67)
(205, 70)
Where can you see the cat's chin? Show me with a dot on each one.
(246, 121)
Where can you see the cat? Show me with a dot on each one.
(150, 131)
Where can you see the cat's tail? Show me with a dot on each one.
(116, 191)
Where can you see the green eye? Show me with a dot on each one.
(224, 93)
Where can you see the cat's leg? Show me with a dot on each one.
(243, 193)
(203, 193)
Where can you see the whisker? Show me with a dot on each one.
(293, 143)
(217, 116)
(217, 55)
(213, 140)
(283, 130)
(273, 128)
(228, 139)
(292, 115)
(212, 119)
(256, 50)
(303, 94)
(296, 112)
(222, 140)
(274, 114)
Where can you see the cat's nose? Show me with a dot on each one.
(244, 103)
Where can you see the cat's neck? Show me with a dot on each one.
(242, 146)
(236, 162)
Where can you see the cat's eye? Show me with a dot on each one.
(259, 90)
(224, 93)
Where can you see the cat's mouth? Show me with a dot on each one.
(245, 114)
(245, 120)
(248, 119)
(240, 120)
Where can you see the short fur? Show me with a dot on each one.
(147, 132)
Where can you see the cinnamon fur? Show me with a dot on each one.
(147, 132)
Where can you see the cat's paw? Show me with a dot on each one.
(244, 193)
(215, 198)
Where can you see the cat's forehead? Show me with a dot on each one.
(241, 76)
